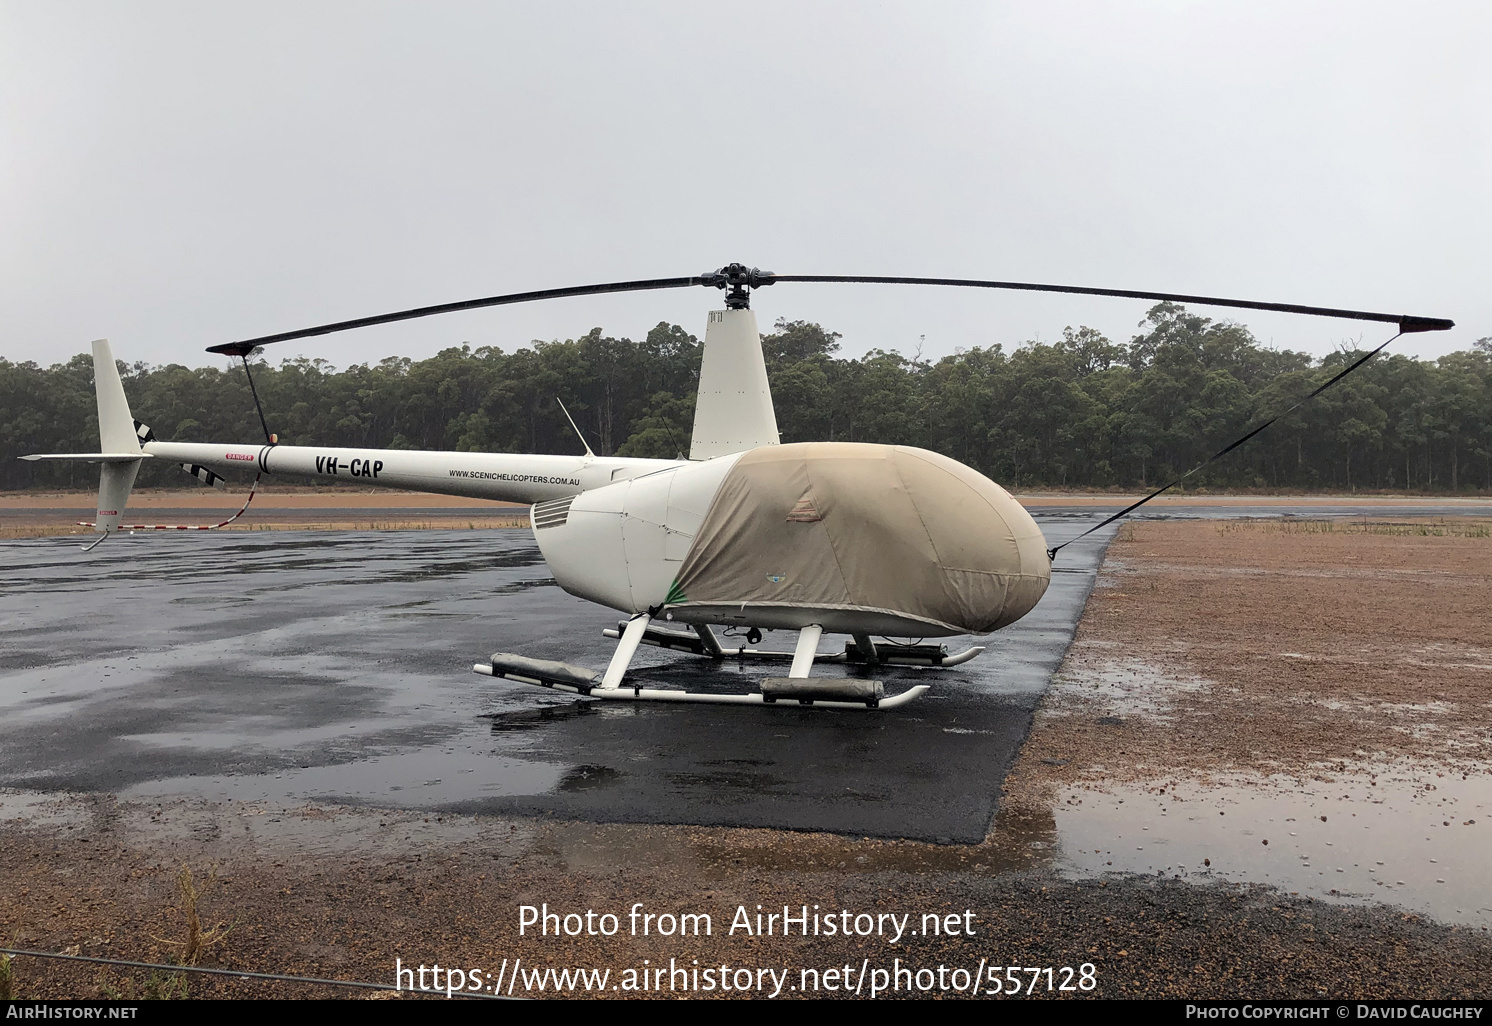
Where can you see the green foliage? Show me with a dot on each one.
(1083, 411)
(157, 986)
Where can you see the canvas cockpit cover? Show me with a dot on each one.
(878, 528)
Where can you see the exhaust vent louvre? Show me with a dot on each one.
(552, 514)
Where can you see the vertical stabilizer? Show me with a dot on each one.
(116, 431)
(114, 483)
(734, 410)
(116, 428)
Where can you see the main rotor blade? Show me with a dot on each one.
(246, 346)
(740, 278)
(1406, 322)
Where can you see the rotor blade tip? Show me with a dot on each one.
(233, 349)
(1409, 324)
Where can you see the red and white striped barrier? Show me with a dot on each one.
(184, 527)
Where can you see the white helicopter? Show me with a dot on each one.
(846, 538)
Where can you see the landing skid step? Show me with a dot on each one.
(887, 653)
(577, 680)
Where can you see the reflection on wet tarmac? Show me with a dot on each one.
(535, 719)
(586, 778)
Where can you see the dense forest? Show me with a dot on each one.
(1080, 412)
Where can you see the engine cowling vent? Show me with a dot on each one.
(554, 513)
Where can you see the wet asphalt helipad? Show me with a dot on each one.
(336, 667)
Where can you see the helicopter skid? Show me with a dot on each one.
(632, 694)
(933, 656)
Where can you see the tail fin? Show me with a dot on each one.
(120, 436)
(734, 411)
(120, 441)
(116, 430)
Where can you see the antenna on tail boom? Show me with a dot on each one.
(575, 426)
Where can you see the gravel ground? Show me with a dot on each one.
(342, 893)
(1318, 644)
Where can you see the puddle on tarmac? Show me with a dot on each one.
(423, 779)
(37, 809)
(1405, 833)
(1397, 834)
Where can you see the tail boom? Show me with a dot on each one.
(508, 477)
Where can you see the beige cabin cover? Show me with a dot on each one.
(847, 525)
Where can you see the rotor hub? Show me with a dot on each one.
(738, 280)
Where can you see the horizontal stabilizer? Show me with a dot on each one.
(91, 457)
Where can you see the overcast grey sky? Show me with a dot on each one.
(174, 175)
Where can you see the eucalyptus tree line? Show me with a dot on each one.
(1080, 412)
